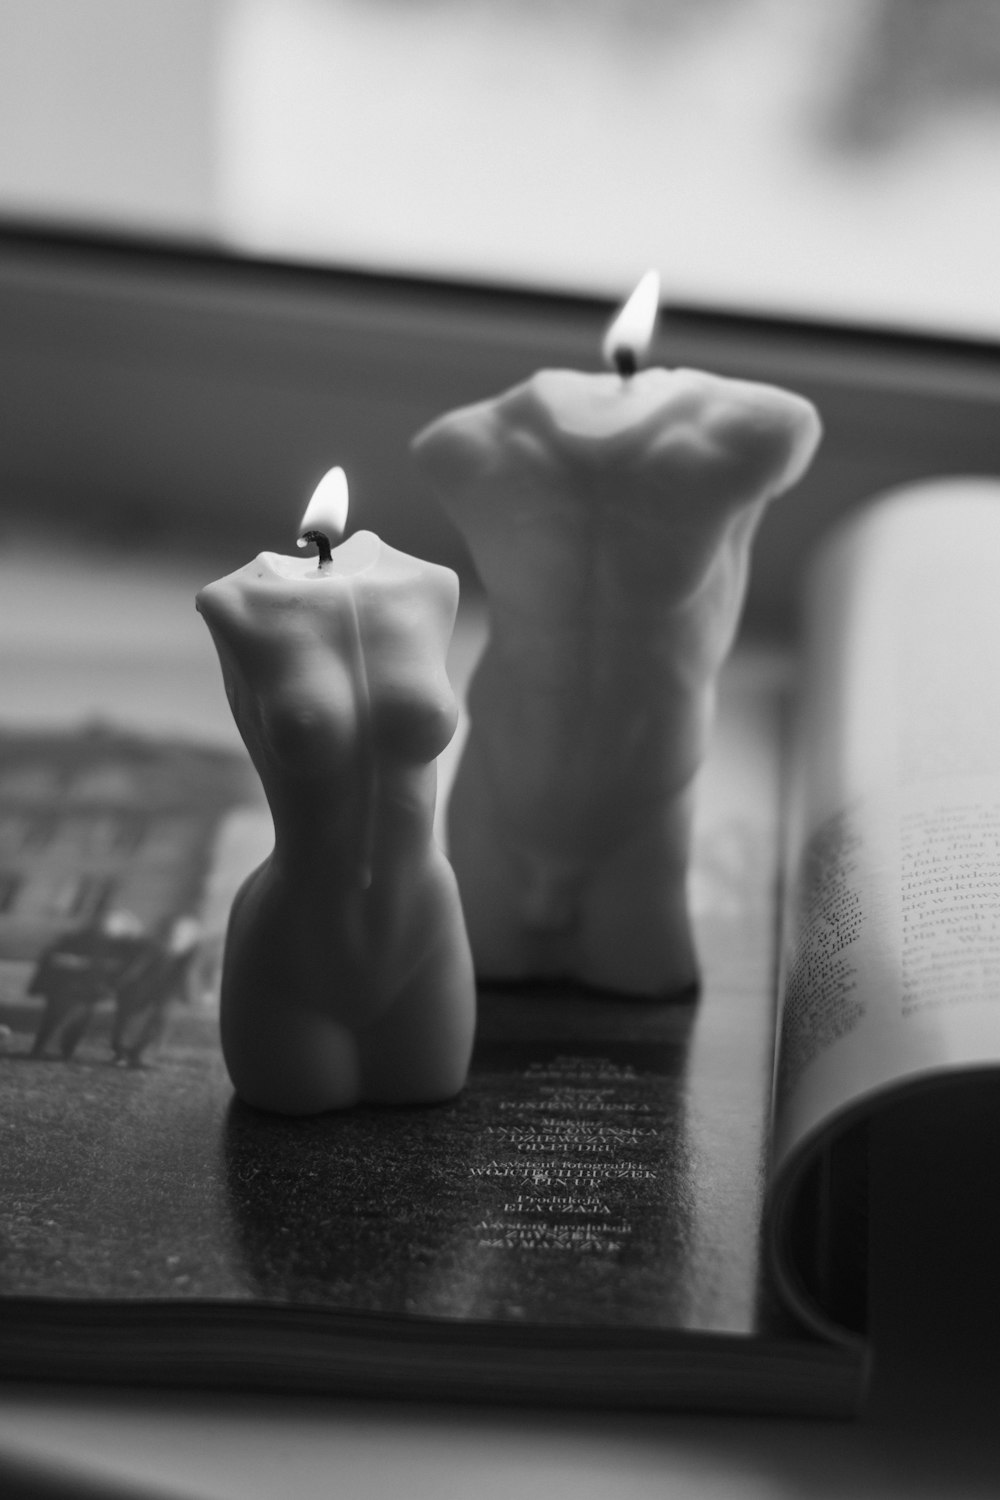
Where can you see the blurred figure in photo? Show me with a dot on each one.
(145, 988)
(77, 971)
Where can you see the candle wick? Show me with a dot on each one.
(625, 361)
(322, 545)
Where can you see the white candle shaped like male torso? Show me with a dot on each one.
(610, 519)
(347, 975)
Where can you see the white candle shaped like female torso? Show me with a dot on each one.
(347, 975)
(610, 519)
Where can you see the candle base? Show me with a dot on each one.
(619, 924)
(376, 1007)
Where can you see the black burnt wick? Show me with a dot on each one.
(322, 545)
(625, 361)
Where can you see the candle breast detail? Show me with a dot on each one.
(610, 520)
(347, 975)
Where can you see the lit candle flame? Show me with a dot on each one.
(631, 333)
(326, 514)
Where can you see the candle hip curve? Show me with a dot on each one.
(610, 520)
(347, 975)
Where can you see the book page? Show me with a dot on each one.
(891, 952)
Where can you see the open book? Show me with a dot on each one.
(630, 1204)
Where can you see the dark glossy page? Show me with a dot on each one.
(605, 1165)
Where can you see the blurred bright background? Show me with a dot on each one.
(838, 158)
